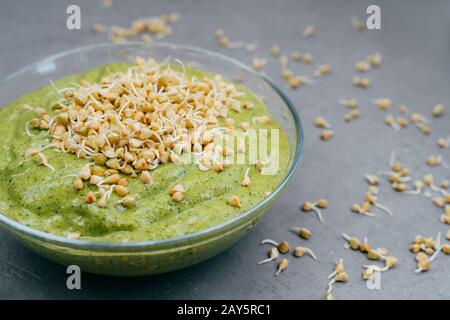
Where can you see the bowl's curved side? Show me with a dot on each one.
(145, 262)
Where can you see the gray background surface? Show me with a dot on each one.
(414, 42)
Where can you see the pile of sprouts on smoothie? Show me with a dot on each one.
(131, 122)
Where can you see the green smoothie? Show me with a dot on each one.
(46, 200)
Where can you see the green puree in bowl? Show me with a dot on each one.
(45, 200)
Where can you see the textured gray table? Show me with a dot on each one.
(414, 42)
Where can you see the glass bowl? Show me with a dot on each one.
(150, 257)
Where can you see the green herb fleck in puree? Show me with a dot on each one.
(45, 200)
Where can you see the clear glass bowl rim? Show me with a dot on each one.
(98, 245)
